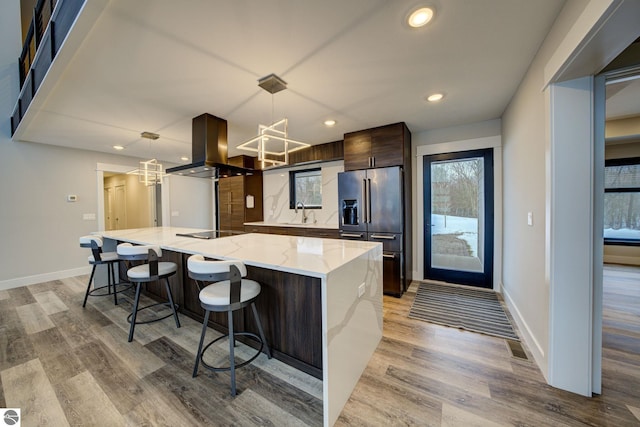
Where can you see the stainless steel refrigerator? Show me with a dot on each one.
(371, 203)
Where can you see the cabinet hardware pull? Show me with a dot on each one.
(377, 236)
(392, 256)
(350, 235)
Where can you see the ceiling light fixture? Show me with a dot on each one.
(150, 135)
(149, 173)
(330, 122)
(435, 97)
(420, 17)
(118, 147)
(276, 134)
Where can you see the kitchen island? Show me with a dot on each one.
(322, 298)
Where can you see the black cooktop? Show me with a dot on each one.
(210, 234)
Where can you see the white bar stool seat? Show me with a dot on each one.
(228, 293)
(97, 257)
(151, 271)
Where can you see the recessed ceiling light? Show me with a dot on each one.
(330, 122)
(420, 17)
(118, 147)
(435, 97)
(184, 158)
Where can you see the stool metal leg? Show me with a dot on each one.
(113, 281)
(259, 324)
(135, 311)
(204, 331)
(232, 358)
(173, 307)
(86, 295)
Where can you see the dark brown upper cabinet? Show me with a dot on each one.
(379, 147)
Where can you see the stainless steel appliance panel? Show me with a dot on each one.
(351, 197)
(390, 241)
(384, 200)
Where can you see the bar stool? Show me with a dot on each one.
(97, 257)
(145, 273)
(229, 293)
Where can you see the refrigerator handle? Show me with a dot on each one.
(364, 201)
(369, 200)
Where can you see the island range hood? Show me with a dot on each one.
(209, 150)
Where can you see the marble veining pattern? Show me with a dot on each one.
(309, 256)
(353, 321)
(276, 196)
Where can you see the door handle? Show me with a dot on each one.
(369, 200)
(364, 200)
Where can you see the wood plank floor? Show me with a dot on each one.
(428, 375)
(64, 365)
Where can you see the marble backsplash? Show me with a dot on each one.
(276, 195)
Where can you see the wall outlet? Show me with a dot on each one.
(361, 289)
(175, 213)
(89, 217)
(530, 218)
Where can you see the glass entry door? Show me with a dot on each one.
(458, 217)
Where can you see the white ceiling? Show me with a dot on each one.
(150, 65)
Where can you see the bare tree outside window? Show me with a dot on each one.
(622, 202)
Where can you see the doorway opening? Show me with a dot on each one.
(458, 217)
(129, 203)
(124, 202)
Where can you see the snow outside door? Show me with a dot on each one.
(458, 217)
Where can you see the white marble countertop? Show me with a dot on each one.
(310, 256)
(292, 224)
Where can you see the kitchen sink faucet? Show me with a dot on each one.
(304, 214)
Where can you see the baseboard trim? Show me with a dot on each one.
(40, 278)
(528, 337)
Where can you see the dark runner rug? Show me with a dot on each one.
(461, 307)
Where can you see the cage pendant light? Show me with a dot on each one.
(272, 143)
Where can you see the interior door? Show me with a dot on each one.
(108, 209)
(458, 217)
(120, 207)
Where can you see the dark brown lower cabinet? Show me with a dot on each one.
(289, 305)
(326, 233)
(392, 273)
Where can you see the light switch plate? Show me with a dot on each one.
(530, 218)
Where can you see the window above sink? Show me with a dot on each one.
(305, 187)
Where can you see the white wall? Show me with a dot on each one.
(190, 202)
(525, 133)
(39, 229)
(275, 184)
(571, 49)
